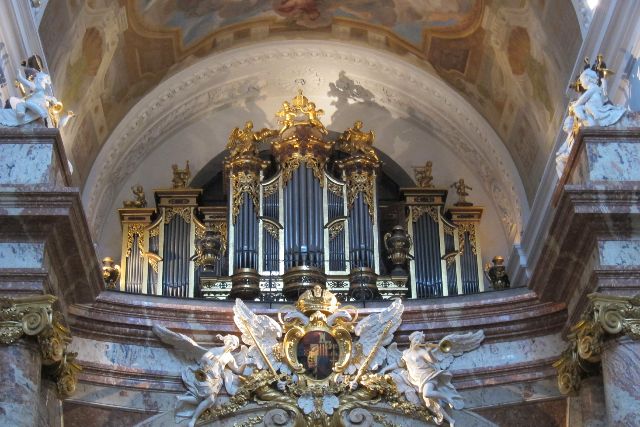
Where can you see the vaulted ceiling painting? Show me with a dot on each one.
(509, 58)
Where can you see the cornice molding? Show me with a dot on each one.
(238, 74)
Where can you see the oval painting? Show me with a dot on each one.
(318, 352)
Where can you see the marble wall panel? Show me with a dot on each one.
(128, 357)
(26, 164)
(551, 413)
(503, 354)
(15, 255)
(621, 375)
(613, 161)
(619, 253)
(19, 384)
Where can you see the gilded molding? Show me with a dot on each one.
(418, 211)
(361, 182)
(132, 230)
(184, 212)
(467, 227)
(335, 188)
(244, 182)
(606, 315)
(34, 316)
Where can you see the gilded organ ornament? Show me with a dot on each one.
(461, 191)
(244, 142)
(317, 363)
(354, 141)
(180, 176)
(139, 201)
(424, 175)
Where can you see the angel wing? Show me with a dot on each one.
(456, 345)
(182, 344)
(376, 332)
(261, 333)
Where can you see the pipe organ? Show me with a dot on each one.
(304, 213)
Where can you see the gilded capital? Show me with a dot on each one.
(34, 316)
(606, 315)
(24, 316)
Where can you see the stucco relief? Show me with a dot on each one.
(190, 94)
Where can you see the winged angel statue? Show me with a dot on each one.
(283, 362)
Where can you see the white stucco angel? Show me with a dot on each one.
(592, 108)
(562, 155)
(420, 372)
(216, 367)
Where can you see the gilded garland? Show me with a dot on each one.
(319, 363)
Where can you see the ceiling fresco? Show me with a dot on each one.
(510, 59)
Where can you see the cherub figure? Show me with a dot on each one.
(215, 367)
(244, 142)
(180, 176)
(140, 201)
(313, 115)
(354, 140)
(287, 116)
(591, 108)
(461, 190)
(424, 175)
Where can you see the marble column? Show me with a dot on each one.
(592, 402)
(621, 376)
(20, 380)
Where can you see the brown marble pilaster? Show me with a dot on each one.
(20, 365)
(621, 376)
(592, 402)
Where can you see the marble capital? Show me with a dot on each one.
(608, 318)
(34, 316)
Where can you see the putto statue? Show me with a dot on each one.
(322, 365)
(355, 141)
(424, 175)
(461, 190)
(244, 142)
(140, 201)
(36, 103)
(180, 176)
(300, 112)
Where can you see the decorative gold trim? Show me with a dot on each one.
(605, 315)
(467, 227)
(361, 182)
(270, 189)
(418, 211)
(272, 229)
(335, 229)
(335, 188)
(184, 212)
(244, 182)
(34, 316)
(290, 165)
(133, 229)
(154, 231)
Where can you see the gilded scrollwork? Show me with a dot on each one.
(606, 315)
(334, 188)
(132, 231)
(418, 211)
(183, 212)
(244, 182)
(361, 182)
(335, 229)
(290, 165)
(270, 189)
(34, 316)
(463, 228)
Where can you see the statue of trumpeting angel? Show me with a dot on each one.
(215, 367)
(420, 372)
(591, 108)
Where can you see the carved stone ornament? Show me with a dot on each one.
(605, 315)
(319, 365)
(34, 316)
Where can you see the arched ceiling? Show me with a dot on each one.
(502, 65)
